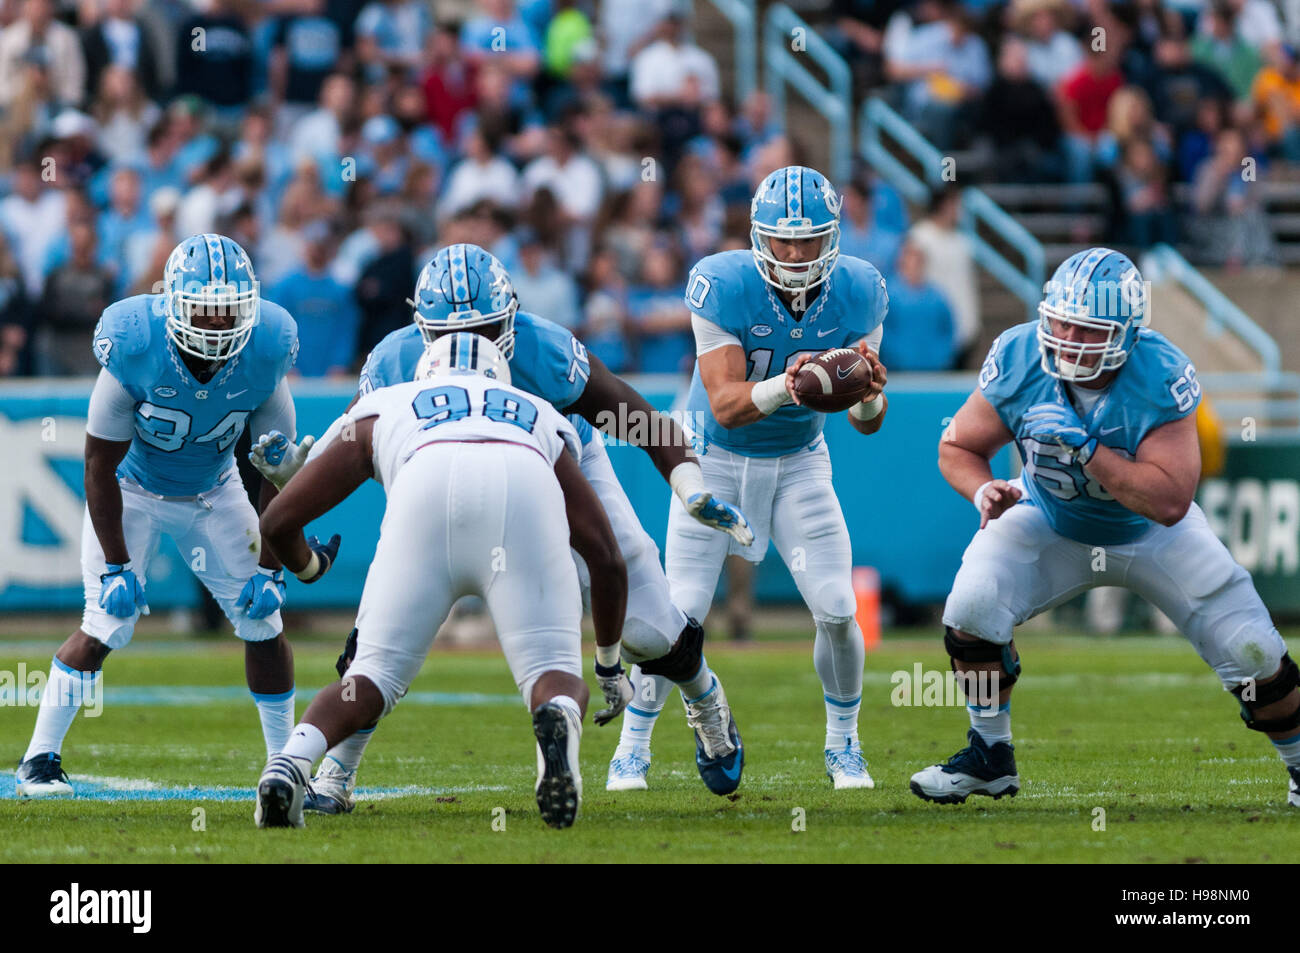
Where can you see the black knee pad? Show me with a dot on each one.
(683, 660)
(349, 653)
(1273, 691)
(964, 650)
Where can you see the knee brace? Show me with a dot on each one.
(683, 660)
(1272, 691)
(964, 650)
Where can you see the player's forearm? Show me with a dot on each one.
(1144, 488)
(104, 500)
(965, 470)
(268, 559)
(733, 404)
(872, 424)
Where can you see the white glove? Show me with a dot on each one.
(278, 458)
(616, 688)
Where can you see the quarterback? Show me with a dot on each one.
(758, 316)
(1102, 410)
(484, 497)
(464, 288)
(183, 373)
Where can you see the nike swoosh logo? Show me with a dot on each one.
(1110, 430)
(822, 334)
(734, 772)
(843, 372)
(236, 394)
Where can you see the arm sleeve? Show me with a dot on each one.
(874, 338)
(112, 410)
(710, 337)
(276, 413)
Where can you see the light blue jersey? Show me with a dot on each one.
(727, 290)
(1156, 385)
(185, 431)
(548, 362)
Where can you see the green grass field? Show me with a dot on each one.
(1136, 726)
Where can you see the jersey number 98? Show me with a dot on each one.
(438, 405)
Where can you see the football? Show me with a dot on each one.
(833, 380)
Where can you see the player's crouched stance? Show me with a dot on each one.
(1102, 411)
(183, 372)
(480, 478)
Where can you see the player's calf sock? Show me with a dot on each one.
(992, 726)
(841, 722)
(65, 691)
(649, 695)
(568, 704)
(305, 742)
(276, 713)
(695, 688)
(347, 753)
(1289, 749)
(838, 657)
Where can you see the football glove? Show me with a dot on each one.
(322, 557)
(349, 653)
(1059, 424)
(720, 515)
(120, 593)
(263, 594)
(616, 688)
(278, 458)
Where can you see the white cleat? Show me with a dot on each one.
(628, 770)
(847, 768)
(42, 776)
(280, 792)
(331, 791)
(559, 777)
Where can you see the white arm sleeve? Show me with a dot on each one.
(873, 339)
(275, 413)
(710, 337)
(112, 410)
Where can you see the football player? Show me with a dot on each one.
(1102, 411)
(480, 477)
(183, 373)
(758, 315)
(466, 288)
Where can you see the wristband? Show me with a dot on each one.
(978, 499)
(868, 410)
(310, 570)
(607, 657)
(770, 395)
(686, 480)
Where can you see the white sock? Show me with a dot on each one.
(307, 741)
(65, 690)
(276, 712)
(696, 688)
(992, 727)
(649, 695)
(568, 704)
(1289, 749)
(347, 753)
(841, 722)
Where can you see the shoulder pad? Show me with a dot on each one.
(125, 330)
(275, 340)
(712, 286)
(867, 293)
(1166, 375)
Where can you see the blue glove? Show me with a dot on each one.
(720, 515)
(324, 553)
(263, 594)
(1059, 424)
(120, 593)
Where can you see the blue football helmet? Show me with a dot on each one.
(463, 352)
(1098, 289)
(795, 202)
(210, 275)
(465, 288)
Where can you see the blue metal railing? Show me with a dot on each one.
(782, 29)
(744, 21)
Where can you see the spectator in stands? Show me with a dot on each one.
(216, 64)
(1221, 49)
(1276, 95)
(626, 27)
(121, 39)
(390, 36)
(950, 265)
(568, 173)
(147, 251)
(26, 121)
(699, 213)
(448, 80)
(1051, 53)
(325, 310)
(386, 281)
(605, 322)
(1255, 22)
(1179, 83)
(161, 168)
(1197, 143)
(860, 234)
(543, 287)
(946, 66)
(383, 154)
(215, 193)
(1081, 100)
(36, 36)
(1019, 119)
(15, 317)
(124, 116)
(319, 133)
(858, 35)
(671, 80)
(922, 333)
(71, 147)
(1141, 189)
(631, 225)
(482, 174)
(659, 317)
(125, 217)
(1230, 227)
(306, 47)
(32, 216)
(499, 33)
(1129, 119)
(76, 294)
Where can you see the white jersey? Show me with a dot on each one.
(455, 408)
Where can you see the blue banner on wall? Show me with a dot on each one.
(902, 516)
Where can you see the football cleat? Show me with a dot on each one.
(280, 793)
(847, 768)
(719, 752)
(628, 770)
(330, 792)
(559, 781)
(975, 769)
(42, 775)
(1293, 795)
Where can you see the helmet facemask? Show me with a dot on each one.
(212, 301)
(795, 276)
(472, 320)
